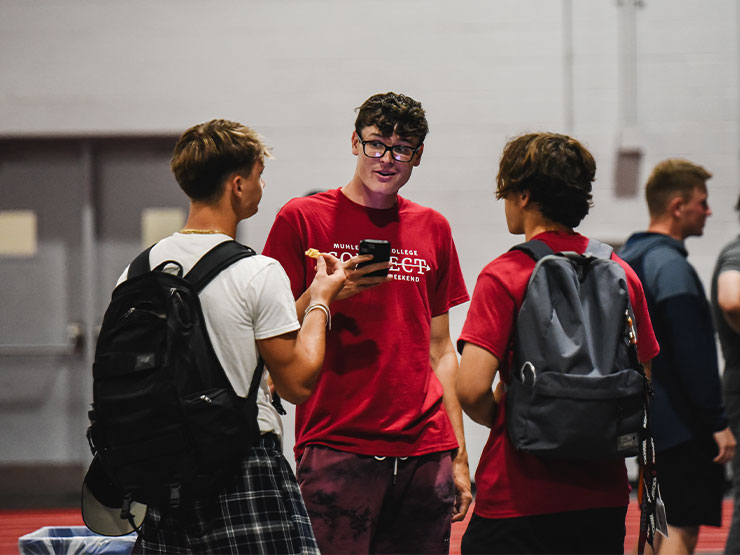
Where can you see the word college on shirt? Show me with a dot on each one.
(405, 263)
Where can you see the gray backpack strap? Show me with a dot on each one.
(535, 248)
(599, 249)
(538, 249)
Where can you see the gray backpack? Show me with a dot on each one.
(577, 390)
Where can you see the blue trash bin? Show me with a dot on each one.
(73, 540)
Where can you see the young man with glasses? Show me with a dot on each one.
(381, 454)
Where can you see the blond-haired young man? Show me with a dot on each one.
(249, 313)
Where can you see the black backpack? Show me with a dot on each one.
(166, 423)
(577, 390)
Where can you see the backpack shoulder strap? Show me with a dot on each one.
(535, 248)
(139, 265)
(599, 249)
(214, 261)
(538, 249)
(256, 379)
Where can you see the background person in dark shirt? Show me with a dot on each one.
(690, 427)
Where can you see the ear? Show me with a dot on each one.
(417, 159)
(523, 198)
(674, 206)
(234, 184)
(356, 146)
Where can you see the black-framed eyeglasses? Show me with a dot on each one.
(376, 149)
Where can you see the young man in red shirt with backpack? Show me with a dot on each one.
(525, 503)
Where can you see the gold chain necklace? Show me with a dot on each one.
(200, 231)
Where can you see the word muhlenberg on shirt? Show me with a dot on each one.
(406, 265)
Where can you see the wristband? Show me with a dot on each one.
(322, 307)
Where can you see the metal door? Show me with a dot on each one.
(87, 199)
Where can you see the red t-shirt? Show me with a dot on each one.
(377, 393)
(511, 483)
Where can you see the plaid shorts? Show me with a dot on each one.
(259, 510)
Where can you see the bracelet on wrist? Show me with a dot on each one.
(320, 306)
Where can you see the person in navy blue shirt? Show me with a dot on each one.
(689, 423)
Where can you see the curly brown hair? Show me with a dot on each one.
(556, 171)
(209, 152)
(393, 113)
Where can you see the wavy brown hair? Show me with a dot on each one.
(393, 113)
(556, 171)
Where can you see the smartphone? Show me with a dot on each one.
(381, 251)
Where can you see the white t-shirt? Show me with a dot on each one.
(249, 300)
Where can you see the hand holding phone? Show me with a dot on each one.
(381, 251)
